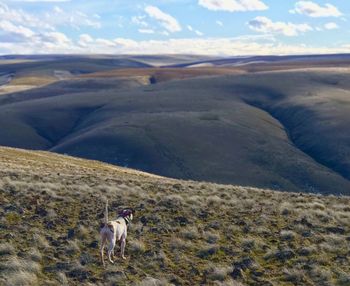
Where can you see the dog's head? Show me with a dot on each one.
(127, 213)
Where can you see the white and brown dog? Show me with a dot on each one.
(115, 230)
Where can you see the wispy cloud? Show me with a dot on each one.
(191, 29)
(233, 5)
(75, 19)
(166, 20)
(146, 31)
(18, 16)
(331, 26)
(14, 33)
(314, 10)
(140, 21)
(265, 25)
(40, 0)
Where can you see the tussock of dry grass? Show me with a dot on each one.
(184, 233)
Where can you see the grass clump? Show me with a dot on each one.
(183, 233)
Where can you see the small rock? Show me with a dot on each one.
(86, 258)
(214, 225)
(236, 273)
(307, 233)
(50, 225)
(336, 229)
(9, 235)
(304, 221)
(244, 263)
(203, 214)
(116, 275)
(183, 221)
(257, 273)
(71, 233)
(151, 201)
(40, 211)
(59, 266)
(205, 253)
(55, 243)
(304, 251)
(79, 273)
(94, 244)
(284, 254)
(246, 229)
(143, 220)
(131, 270)
(177, 186)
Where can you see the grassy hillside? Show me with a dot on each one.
(28, 72)
(282, 130)
(184, 232)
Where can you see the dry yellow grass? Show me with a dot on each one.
(184, 232)
(164, 74)
(22, 83)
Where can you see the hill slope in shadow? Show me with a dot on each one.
(282, 129)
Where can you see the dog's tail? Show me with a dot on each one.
(106, 213)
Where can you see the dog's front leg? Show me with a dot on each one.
(122, 247)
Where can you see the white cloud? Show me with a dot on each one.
(56, 38)
(240, 46)
(128, 43)
(41, 0)
(166, 20)
(164, 33)
(233, 5)
(50, 20)
(57, 9)
(75, 19)
(265, 25)
(219, 23)
(331, 26)
(20, 17)
(139, 20)
(85, 40)
(198, 33)
(14, 33)
(146, 31)
(105, 43)
(314, 10)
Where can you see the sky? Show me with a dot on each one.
(207, 27)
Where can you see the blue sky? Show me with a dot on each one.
(214, 27)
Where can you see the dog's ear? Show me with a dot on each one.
(129, 210)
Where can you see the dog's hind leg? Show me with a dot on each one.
(103, 243)
(111, 250)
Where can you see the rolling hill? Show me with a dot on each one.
(184, 232)
(268, 123)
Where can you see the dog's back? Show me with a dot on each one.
(114, 229)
